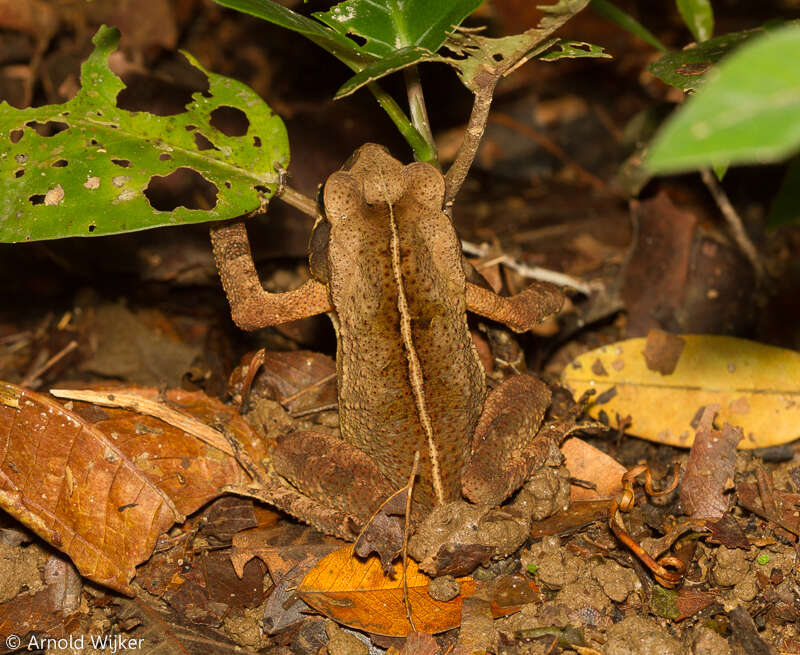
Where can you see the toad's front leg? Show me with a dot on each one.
(252, 306)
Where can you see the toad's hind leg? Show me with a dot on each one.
(506, 447)
(332, 471)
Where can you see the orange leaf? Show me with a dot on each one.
(585, 462)
(190, 471)
(356, 593)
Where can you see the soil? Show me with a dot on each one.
(546, 191)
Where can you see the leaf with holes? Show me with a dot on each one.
(574, 50)
(87, 167)
(481, 59)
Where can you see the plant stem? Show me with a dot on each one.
(298, 201)
(418, 110)
(472, 139)
(422, 149)
(734, 222)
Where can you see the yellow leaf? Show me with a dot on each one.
(756, 387)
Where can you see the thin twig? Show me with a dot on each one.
(298, 201)
(734, 222)
(473, 135)
(314, 410)
(530, 272)
(33, 375)
(153, 408)
(406, 530)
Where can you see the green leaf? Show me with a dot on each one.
(686, 69)
(698, 16)
(748, 112)
(344, 49)
(91, 177)
(575, 50)
(482, 57)
(393, 25)
(398, 60)
(664, 602)
(785, 208)
(337, 44)
(626, 22)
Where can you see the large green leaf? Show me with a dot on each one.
(747, 112)
(337, 44)
(344, 49)
(395, 24)
(698, 16)
(91, 178)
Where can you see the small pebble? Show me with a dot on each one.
(444, 588)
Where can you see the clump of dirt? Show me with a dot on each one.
(706, 641)
(635, 635)
(546, 493)
(456, 537)
(616, 581)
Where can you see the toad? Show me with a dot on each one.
(386, 265)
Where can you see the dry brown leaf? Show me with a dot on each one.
(477, 634)
(579, 514)
(62, 477)
(692, 601)
(756, 387)
(28, 613)
(300, 380)
(289, 551)
(102, 484)
(181, 459)
(585, 462)
(383, 533)
(708, 480)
